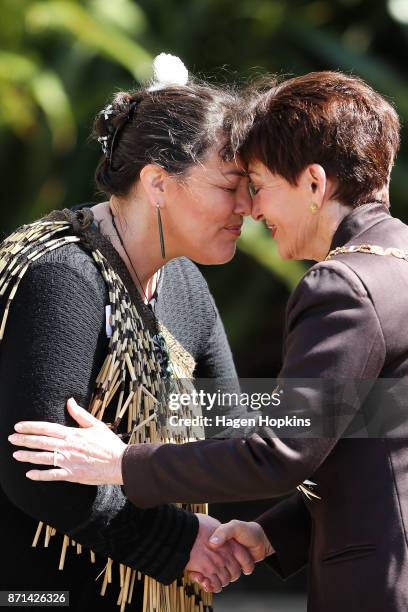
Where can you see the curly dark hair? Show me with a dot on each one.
(173, 126)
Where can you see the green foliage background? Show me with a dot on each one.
(61, 59)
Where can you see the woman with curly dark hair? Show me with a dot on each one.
(102, 302)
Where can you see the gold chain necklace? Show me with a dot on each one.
(371, 249)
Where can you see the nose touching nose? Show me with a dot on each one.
(243, 200)
(256, 213)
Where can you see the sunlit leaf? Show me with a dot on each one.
(17, 111)
(16, 67)
(50, 95)
(74, 19)
(122, 13)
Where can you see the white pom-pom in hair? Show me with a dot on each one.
(168, 70)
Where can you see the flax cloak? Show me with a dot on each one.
(132, 384)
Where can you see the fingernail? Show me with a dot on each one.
(73, 404)
(18, 426)
(214, 539)
(11, 438)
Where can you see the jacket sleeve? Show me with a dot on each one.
(288, 527)
(328, 311)
(53, 347)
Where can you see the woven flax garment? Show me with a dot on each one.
(134, 382)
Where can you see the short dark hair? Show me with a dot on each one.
(329, 118)
(173, 126)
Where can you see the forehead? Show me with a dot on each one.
(214, 163)
(257, 168)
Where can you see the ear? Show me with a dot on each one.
(314, 179)
(153, 180)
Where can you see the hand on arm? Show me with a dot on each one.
(52, 354)
(90, 454)
(328, 310)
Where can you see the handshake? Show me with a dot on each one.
(222, 552)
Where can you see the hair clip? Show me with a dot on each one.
(104, 142)
(107, 142)
(107, 111)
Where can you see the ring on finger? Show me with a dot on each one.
(55, 457)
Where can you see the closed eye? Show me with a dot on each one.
(253, 190)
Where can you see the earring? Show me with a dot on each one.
(159, 221)
(314, 208)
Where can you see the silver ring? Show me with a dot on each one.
(55, 458)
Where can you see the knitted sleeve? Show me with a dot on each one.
(215, 359)
(187, 308)
(53, 348)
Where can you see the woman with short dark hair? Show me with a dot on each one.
(329, 118)
(320, 149)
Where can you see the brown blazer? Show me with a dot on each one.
(346, 319)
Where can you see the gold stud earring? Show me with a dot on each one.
(314, 208)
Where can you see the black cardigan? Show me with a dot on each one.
(53, 348)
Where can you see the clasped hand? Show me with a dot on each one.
(92, 453)
(222, 552)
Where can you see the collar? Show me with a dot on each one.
(358, 221)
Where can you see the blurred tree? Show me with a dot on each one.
(61, 59)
